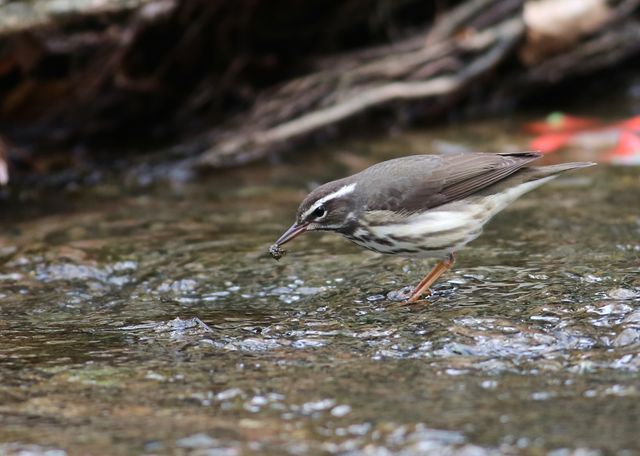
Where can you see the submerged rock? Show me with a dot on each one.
(623, 293)
(629, 336)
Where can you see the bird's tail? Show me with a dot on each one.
(526, 179)
(538, 172)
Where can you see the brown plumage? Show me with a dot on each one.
(422, 205)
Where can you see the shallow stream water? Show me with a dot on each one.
(149, 319)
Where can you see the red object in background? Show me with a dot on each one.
(550, 142)
(631, 124)
(559, 130)
(627, 151)
(557, 122)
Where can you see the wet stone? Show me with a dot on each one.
(317, 406)
(376, 297)
(254, 345)
(178, 286)
(623, 293)
(310, 291)
(308, 343)
(179, 325)
(628, 336)
(197, 441)
(19, 449)
(400, 295)
(229, 394)
(633, 317)
(341, 410)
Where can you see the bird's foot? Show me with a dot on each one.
(417, 295)
(406, 296)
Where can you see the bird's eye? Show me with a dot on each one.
(319, 212)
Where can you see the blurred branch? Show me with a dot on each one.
(236, 81)
(490, 47)
(595, 53)
(21, 16)
(4, 165)
(432, 66)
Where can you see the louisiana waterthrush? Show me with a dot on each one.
(425, 206)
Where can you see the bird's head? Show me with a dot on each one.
(329, 207)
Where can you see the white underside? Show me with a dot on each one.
(450, 226)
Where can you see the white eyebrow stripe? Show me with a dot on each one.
(345, 190)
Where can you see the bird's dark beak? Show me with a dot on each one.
(291, 233)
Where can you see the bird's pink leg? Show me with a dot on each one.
(439, 269)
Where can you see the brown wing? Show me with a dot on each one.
(422, 182)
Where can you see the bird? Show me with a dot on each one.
(421, 206)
